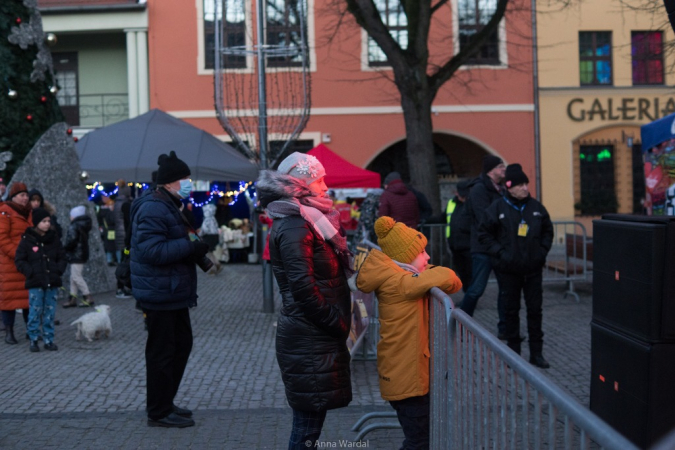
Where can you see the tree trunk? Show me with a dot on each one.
(420, 145)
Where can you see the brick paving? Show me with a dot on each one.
(91, 395)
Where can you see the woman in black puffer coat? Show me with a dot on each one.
(310, 261)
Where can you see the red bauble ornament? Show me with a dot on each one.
(69, 131)
(18, 20)
(29, 117)
(43, 99)
(75, 139)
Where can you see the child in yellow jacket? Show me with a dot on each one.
(401, 278)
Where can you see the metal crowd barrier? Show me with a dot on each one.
(568, 261)
(437, 244)
(483, 395)
(570, 257)
(666, 443)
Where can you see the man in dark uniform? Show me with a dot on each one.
(485, 190)
(518, 233)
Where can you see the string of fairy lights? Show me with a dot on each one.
(98, 188)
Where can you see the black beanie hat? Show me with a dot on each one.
(490, 162)
(171, 168)
(515, 176)
(463, 188)
(39, 214)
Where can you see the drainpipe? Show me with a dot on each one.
(535, 82)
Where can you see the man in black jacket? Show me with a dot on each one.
(459, 238)
(518, 233)
(485, 190)
(164, 281)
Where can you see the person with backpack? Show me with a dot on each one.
(76, 246)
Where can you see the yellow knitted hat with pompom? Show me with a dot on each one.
(398, 241)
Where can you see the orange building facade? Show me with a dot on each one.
(355, 110)
(127, 56)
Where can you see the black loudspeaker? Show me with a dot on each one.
(634, 275)
(632, 386)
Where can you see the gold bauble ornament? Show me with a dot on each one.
(50, 39)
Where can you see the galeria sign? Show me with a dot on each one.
(612, 109)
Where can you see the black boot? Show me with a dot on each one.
(536, 356)
(9, 336)
(539, 361)
(514, 345)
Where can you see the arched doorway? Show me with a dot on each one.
(456, 157)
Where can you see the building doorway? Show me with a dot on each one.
(456, 158)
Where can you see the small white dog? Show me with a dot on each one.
(94, 324)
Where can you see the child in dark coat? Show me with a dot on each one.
(41, 259)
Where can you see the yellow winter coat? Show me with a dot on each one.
(403, 351)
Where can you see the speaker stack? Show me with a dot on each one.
(633, 326)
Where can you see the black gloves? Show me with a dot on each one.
(201, 249)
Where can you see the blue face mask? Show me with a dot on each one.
(185, 188)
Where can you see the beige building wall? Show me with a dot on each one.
(572, 115)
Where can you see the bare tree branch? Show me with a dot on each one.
(368, 17)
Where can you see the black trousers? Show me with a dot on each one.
(461, 264)
(413, 415)
(166, 355)
(510, 287)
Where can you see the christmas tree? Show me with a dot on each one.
(28, 105)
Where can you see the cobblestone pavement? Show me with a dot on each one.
(91, 395)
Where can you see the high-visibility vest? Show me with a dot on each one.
(452, 204)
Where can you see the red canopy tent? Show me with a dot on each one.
(343, 174)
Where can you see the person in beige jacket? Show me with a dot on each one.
(401, 278)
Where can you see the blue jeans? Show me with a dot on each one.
(307, 427)
(413, 414)
(41, 305)
(481, 267)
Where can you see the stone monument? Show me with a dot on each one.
(53, 168)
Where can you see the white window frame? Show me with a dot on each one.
(365, 62)
(501, 33)
(311, 43)
(250, 59)
(201, 45)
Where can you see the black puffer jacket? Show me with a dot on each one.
(163, 275)
(460, 228)
(41, 259)
(481, 196)
(510, 253)
(315, 318)
(76, 244)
